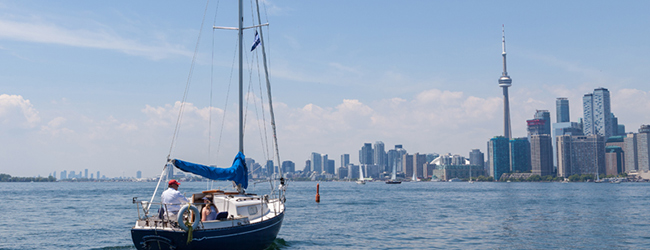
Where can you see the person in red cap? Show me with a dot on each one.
(172, 199)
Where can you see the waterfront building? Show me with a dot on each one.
(505, 82)
(643, 148)
(269, 168)
(316, 162)
(519, 156)
(288, 167)
(324, 163)
(379, 156)
(630, 147)
(597, 113)
(353, 172)
(583, 154)
(541, 154)
(86, 173)
(614, 160)
(342, 173)
(419, 162)
(345, 160)
(562, 110)
(499, 156)
(307, 168)
(407, 160)
(394, 158)
(97, 174)
(331, 167)
(477, 158)
(447, 172)
(138, 174)
(366, 154)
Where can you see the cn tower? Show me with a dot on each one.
(505, 82)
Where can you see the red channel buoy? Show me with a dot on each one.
(317, 191)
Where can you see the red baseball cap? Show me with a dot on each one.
(174, 182)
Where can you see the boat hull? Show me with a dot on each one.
(254, 236)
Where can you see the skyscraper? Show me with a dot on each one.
(379, 156)
(519, 155)
(366, 154)
(562, 110)
(546, 117)
(345, 160)
(504, 83)
(316, 162)
(597, 113)
(476, 158)
(630, 146)
(541, 154)
(580, 154)
(643, 148)
(498, 156)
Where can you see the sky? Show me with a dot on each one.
(98, 85)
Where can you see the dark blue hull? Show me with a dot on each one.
(254, 236)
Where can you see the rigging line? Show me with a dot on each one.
(187, 85)
(264, 137)
(268, 86)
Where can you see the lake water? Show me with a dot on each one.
(425, 215)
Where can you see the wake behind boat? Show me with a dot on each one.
(244, 221)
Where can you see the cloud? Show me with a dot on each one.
(16, 111)
(49, 33)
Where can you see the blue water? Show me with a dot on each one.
(425, 215)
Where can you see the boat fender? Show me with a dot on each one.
(197, 217)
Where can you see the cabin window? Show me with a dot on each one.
(252, 210)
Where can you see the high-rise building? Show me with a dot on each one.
(345, 160)
(476, 158)
(324, 163)
(342, 173)
(307, 168)
(316, 162)
(379, 156)
(597, 113)
(519, 155)
(630, 149)
(86, 173)
(536, 127)
(288, 167)
(138, 174)
(583, 154)
(407, 160)
(353, 171)
(505, 82)
(541, 154)
(394, 158)
(366, 154)
(499, 156)
(614, 160)
(419, 160)
(562, 110)
(331, 167)
(269, 168)
(64, 175)
(546, 117)
(643, 148)
(97, 175)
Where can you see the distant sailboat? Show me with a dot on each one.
(393, 179)
(361, 179)
(470, 174)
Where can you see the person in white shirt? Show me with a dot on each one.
(172, 199)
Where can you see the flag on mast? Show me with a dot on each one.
(256, 42)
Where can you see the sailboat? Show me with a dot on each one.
(470, 174)
(393, 178)
(361, 179)
(245, 221)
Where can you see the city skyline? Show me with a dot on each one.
(88, 85)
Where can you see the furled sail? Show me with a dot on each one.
(238, 172)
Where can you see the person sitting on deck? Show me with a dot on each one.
(209, 211)
(172, 199)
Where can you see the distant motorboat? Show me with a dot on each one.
(393, 182)
(455, 180)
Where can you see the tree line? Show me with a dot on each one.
(9, 178)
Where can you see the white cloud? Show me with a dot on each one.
(15, 111)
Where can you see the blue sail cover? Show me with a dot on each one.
(238, 172)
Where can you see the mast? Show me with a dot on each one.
(241, 76)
